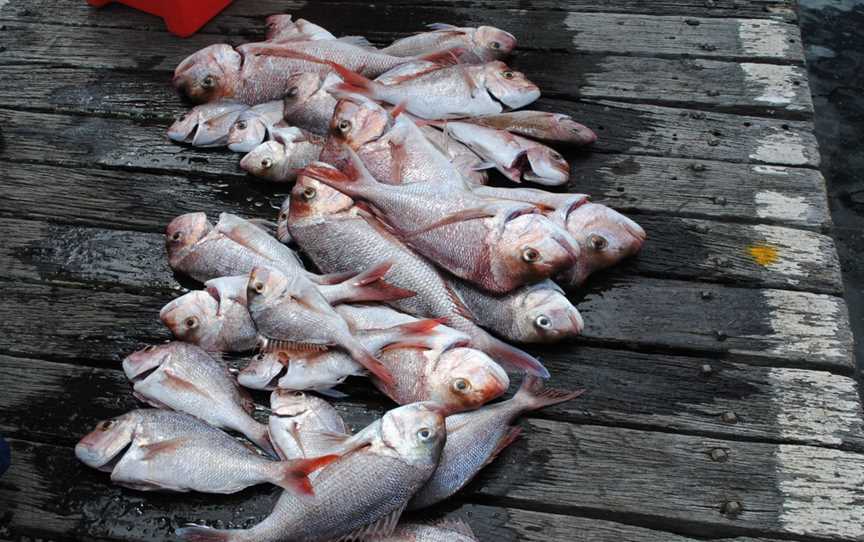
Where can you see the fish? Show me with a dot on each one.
(218, 319)
(337, 236)
(440, 531)
(498, 246)
(482, 44)
(299, 423)
(447, 92)
(290, 312)
(206, 125)
(363, 493)
(253, 126)
(281, 27)
(183, 377)
(605, 236)
(540, 125)
(308, 104)
(154, 449)
(517, 158)
(469, 164)
(536, 313)
(279, 161)
(255, 73)
(474, 439)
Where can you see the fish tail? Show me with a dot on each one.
(532, 395)
(354, 83)
(353, 179)
(294, 475)
(200, 533)
(362, 356)
(371, 286)
(508, 355)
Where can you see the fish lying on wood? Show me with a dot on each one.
(299, 424)
(279, 161)
(362, 494)
(482, 44)
(495, 245)
(464, 159)
(282, 27)
(253, 126)
(206, 125)
(308, 104)
(551, 127)
(185, 378)
(153, 449)
(441, 531)
(337, 237)
(475, 438)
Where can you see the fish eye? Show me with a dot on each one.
(424, 434)
(556, 156)
(259, 357)
(543, 322)
(283, 216)
(293, 92)
(530, 254)
(309, 193)
(191, 322)
(149, 348)
(495, 45)
(344, 125)
(461, 385)
(266, 163)
(106, 425)
(258, 286)
(241, 124)
(177, 235)
(508, 75)
(299, 394)
(597, 242)
(208, 82)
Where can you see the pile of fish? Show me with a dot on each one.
(423, 276)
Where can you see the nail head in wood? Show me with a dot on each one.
(719, 455)
(729, 417)
(707, 370)
(731, 508)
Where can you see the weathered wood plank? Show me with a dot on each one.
(630, 389)
(760, 89)
(774, 327)
(746, 40)
(683, 481)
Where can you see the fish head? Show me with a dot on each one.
(184, 127)
(210, 74)
(282, 231)
(247, 132)
(546, 315)
(311, 371)
(263, 160)
(291, 403)
(265, 285)
(509, 86)
(142, 363)
(101, 448)
(358, 120)
(262, 371)
(605, 236)
(465, 379)
(193, 317)
(547, 165)
(312, 198)
(182, 233)
(567, 129)
(494, 42)
(532, 248)
(276, 24)
(301, 87)
(415, 432)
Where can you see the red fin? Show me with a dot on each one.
(371, 363)
(333, 278)
(505, 441)
(421, 326)
(281, 51)
(459, 216)
(447, 57)
(398, 157)
(352, 79)
(533, 396)
(461, 308)
(174, 381)
(166, 446)
(371, 286)
(373, 273)
(398, 110)
(509, 355)
(295, 475)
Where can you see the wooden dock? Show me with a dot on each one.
(718, 364)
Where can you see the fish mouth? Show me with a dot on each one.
(569, 247)
(143, 375)
(93, 459)
(577, 321)
(500, 376)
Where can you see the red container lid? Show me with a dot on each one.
(182, 17)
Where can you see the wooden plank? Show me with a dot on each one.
(630, 389)
(759, 89)
(746, 40)
(683, 481)
(773, 327)
(761, 256)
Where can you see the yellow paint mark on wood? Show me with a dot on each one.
(764, 255)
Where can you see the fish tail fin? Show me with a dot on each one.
(260, 435)
(294, 475)
(353, 179)
(508, 355)
(418, 334)
(532, 395)
(372, 364)
(371, 286)
(200, 533)
(354, 83)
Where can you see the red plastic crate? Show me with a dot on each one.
(182, 17)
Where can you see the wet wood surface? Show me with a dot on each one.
(720, 400)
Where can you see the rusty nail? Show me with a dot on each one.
(707, 370)
(731, 508)
(719, 454)
(707, 295)
(729, 417)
